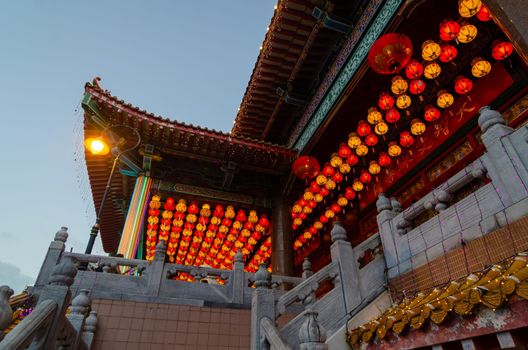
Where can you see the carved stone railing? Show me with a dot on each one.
(368, 250)
(408, 245)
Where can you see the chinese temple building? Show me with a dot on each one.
(372, 194)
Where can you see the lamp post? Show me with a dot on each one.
(98, 146)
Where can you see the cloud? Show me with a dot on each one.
(12, 276)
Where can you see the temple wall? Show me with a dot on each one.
(129, 325)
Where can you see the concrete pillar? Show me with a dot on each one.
(388, 236)
(282, 239)
(512, 16)
(238, 282)
(262, 306)
(155, 270)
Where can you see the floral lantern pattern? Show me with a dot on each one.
(480, 67)
(469, 8)
(305, 167)
(430, 50)
(432, 70)
(444, 99)
(414, 70)
(467, 33)
(390, 53)
(374, 116)
(398, 85)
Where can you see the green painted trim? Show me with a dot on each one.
(349, 70)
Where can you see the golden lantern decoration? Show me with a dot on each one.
(480, 67)
(336, 160)
(374, 116)
(467, 33)
(394, 149)
(361, 150)
(344, 168)
(374, 167)
(403, 101)
(307, 210)
(329, 214)
(318, 225)
(296, 208)
(444, 99)
(353, 140)
(432, 70)
(381, 128)
(321, 179)
(297, 222)
(430, 50)
(399, 85)
(469, 8)
(417, 127)
(318, 198)
(330, 185)
(342, 201)
(308, 196)
(357, 185)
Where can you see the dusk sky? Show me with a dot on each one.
(185, 60)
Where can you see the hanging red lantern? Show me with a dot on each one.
(448, 53)
(350, 193)
(371, 140)
(501, 50)
(463, 85)
(431, 114)
(449, 30)
(406, 139)
(337, 177)
(328, 170)
(305, 167)
(363, 128)
(365, 176)
(417, 87)
(390, 53)
(352, 159)
(323, 219)
(335, 208)
(384, 159)
(344, 151)
(414, 70)
(314, 187)
(392, 115)
(484, 14)
(385, 101)
(324, 191)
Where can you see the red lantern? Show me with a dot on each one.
(390, 53)
(305, 167)
(350, 193)
(328, 170)
(501, 50)
(169, 204)
(431, 114)
(449, 30)
(484, 14)
(363, 128)
(314, 187)
(417, 87)
(365, 176)
(448, 53)
(352, 160)
(384, 159)
(414, 70)
(406, 139)
(335, 208)
(371, 140)
(193, 208)
(324, 192)
(385, 101)
(392, 116)
(323, 219)
(463, 85)
(337, 177)
(344, 151)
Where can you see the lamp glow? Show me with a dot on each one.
(96, 146)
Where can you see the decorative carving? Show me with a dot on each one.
(239, 257)
(62, 235)
(160, 251)
(338, 232)
(396, 205)
(81, 303)
(90, 324)
(262, 277)
(383, 203)
(307, 268)
(63, 273)
(489, 118)
(312, 336)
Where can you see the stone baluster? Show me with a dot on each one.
(78, 312)
(262, 306)
(6, 313)
(442, 200)
(342, 252)
(312, 336)
(237, 282)
(307, 268)
(388, 209)
(55, 250)
(90, 326)
(155, 270)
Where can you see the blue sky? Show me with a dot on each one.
(186, 60)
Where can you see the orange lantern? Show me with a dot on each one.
(403, 102)
(357, 185)
(374, 167)
(330, 185)
(344, 168)
(349, 193)
(353, 140)
(385, 101)
(444, 99)
(417, 127)
(371, 140)
(480, 67)
(432, 70)
(501, 50)
(336, 160)
(398, 85)
(448, 53)
(329, 214)
(363, 128)
(414, 70)
(342, 201)
(469, 8)
(449, 30)
(484, 14)
(384, 159)
(406, 139)
(305, 167)
(430, 50)
(365, 177)
(392, 116)
(467, 33)
(417, 87)
(431, 114)
(394, 149)
(328, 170)
(361, 150)
(463, 85)
(321, 179)
(374, 116)
(381, 128)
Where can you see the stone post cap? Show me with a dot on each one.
(61, 235)
(307, 265)
(338, 232)
(239, 257)
(262, 277)
(81, 303)
(396, 205)
(310, 331)
(383, 203)
(488, 118)
(159, 254)
(90, 324)
(63, 273)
